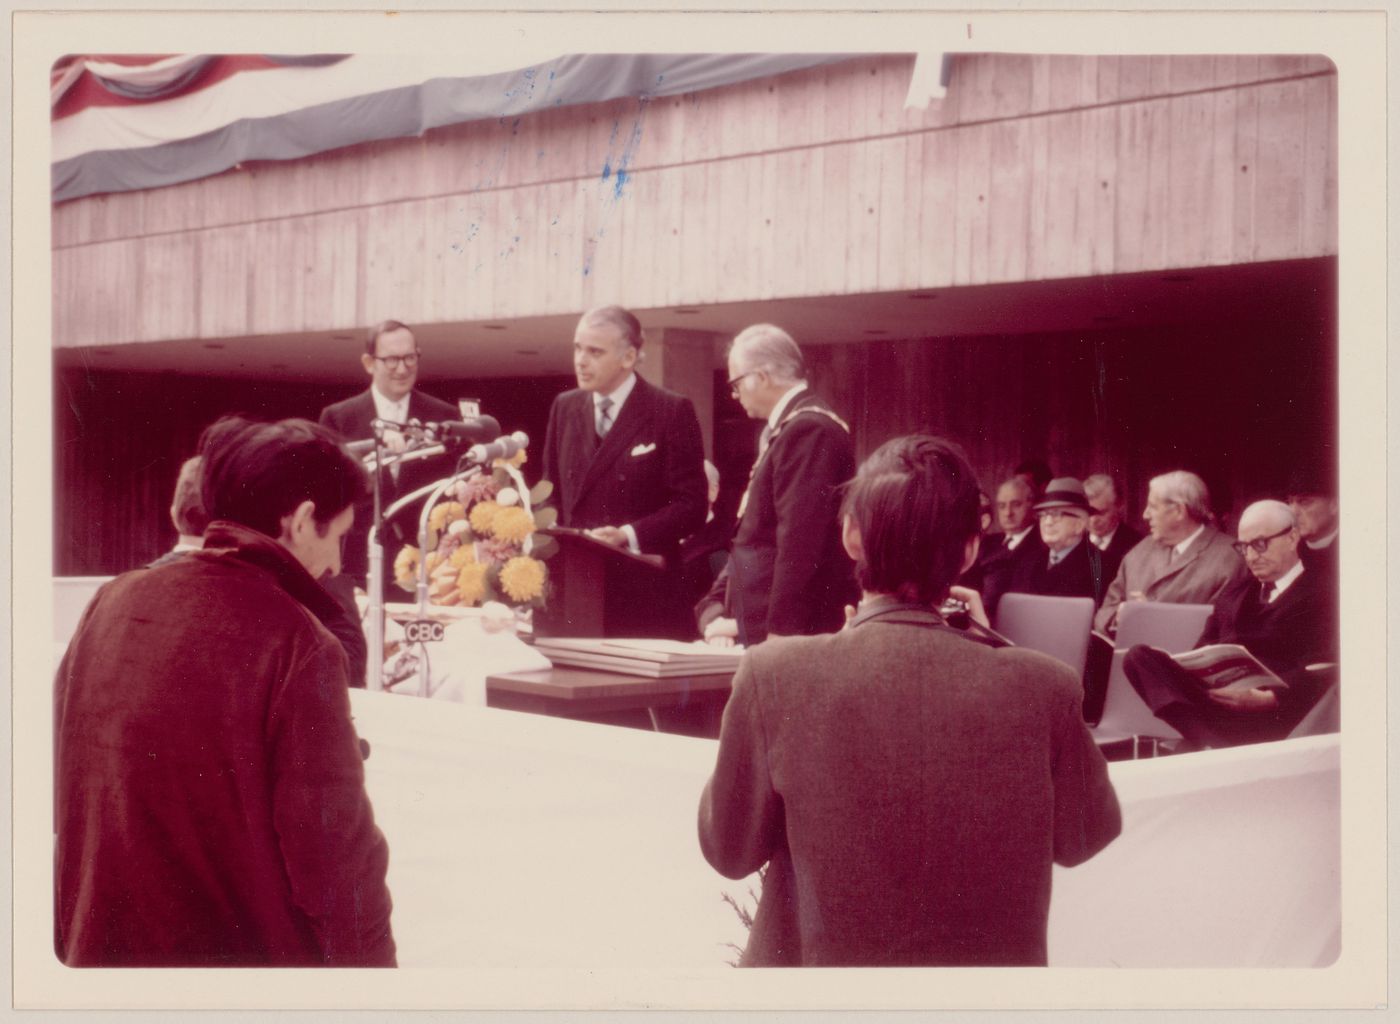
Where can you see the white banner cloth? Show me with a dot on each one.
(523, 841)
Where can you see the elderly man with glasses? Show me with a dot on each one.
(1186, 560)
(1068, 565)
(787, 574)
(391, 360)
(1281, 613)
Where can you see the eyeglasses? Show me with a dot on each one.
(1259, 544)
(394, 362)
(1056, 514)
(734, 383)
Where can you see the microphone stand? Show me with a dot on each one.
(376, 553)
(438, 490)
(378, 460)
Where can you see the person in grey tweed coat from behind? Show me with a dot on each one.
(908, 786)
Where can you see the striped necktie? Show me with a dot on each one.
(604, 416)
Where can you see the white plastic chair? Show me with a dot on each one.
(1057, 626)
(1171, 627)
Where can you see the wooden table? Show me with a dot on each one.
(688, 705)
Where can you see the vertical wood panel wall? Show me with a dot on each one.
(812, 183)
(119, 440)
(1238, 405)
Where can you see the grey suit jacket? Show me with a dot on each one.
(909, 789)
(1198, 576)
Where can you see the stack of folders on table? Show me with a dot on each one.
(655, 659)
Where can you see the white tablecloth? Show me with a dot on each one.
(523, 841)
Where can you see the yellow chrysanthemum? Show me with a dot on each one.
(522, 578)
(406, 566)
(464, 555)
(483, 512)
(517, 460)
(447, 512)
(471, 582)
(512, 525)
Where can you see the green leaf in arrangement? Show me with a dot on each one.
(543, 547)
(546, 517)
(541, 491)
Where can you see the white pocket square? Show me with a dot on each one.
(642, 449)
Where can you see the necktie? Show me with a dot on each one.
(1266, 592)
(398, 414)
(604, 417)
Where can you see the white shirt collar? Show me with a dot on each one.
(1180, 549)
(1014, 539)
(1286, 580)
(776, 416)
(387, 409)
(1325, 542)
(619, 396)
(1103, 542)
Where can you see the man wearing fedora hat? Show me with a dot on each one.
(1070, 566)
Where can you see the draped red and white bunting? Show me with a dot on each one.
(122, 123)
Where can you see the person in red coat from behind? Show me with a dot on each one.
(210, 808)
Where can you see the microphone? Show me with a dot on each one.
(473, 430)
(411, 430)
(501, 448)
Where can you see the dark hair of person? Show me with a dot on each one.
(619, 320)
(258, 473)
(187, 507)
(383, 327)
(915, 503)
(1037, 471)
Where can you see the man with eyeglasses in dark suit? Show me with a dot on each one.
(1282, 613)
(391, 360)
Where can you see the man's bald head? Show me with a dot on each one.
(1268, 525)
(1269, 514)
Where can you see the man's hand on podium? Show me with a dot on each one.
(722, 632)
(609, 535)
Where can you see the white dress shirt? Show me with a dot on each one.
(1285, 581)
(1180, 549)
(776, 416)
(619, 396)
(386, 408)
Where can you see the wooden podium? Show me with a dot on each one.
(598, 590)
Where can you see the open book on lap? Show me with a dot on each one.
(1228, 667)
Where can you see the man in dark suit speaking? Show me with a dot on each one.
(391, 360)
(626, 459)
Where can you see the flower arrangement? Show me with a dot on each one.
(482, 544)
